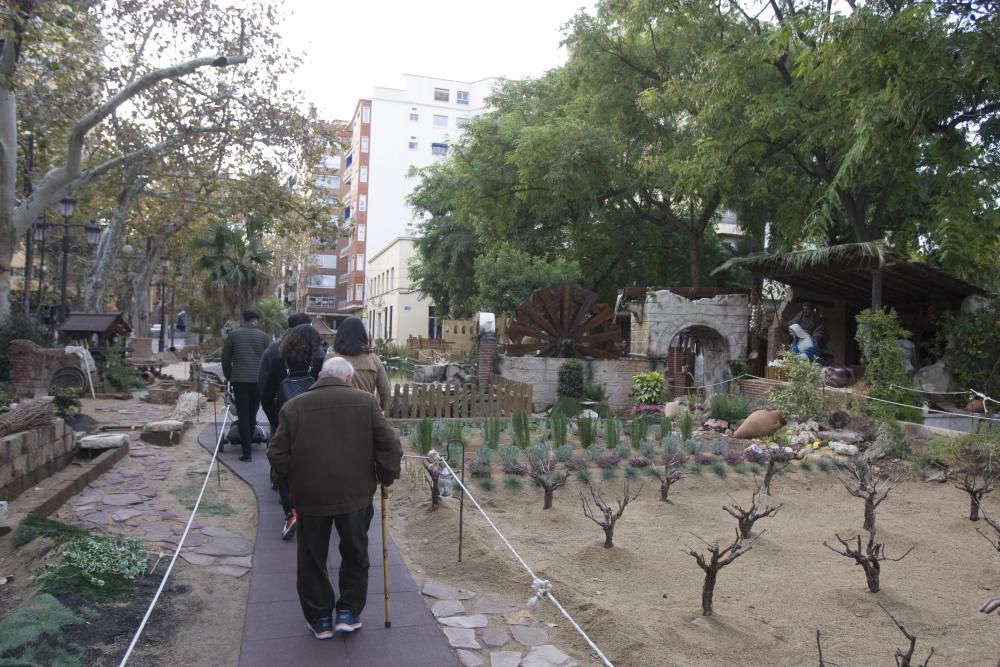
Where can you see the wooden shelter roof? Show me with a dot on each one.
(845, 273)
(99, 323)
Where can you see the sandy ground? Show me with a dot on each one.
(640, 601)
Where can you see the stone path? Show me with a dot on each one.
(274, 630)
(486, 631)
(124, 501)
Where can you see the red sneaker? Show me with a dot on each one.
(288, 528)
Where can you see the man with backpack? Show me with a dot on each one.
(288, 367)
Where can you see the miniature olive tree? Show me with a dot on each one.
(718, 557)
(746, 518)
(608, 515)
(775, 458)
(869, 558)
(973, 465)
(424, 441)
(869, 482)
(541, 468)
(673, 471)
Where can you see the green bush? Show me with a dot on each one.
(66, 400)
(491, 431)
(17, 327)
(800, 396)
(117, 374)
(729, 407)
(878, 331)
(595, 391)
(971, 346)
(969, 453)
(33, 526)
(647, 388)
(95, 567)
(424, 435)
(570, 382)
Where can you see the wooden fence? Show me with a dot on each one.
(500, 398)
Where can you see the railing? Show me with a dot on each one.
(500, 398)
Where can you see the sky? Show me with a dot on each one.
(350, 47)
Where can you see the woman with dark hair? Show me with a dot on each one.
(299, 356)
(351, 343)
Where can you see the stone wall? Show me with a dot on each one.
(543, 374)
(28, 457)
(720, 324)
(32, 367)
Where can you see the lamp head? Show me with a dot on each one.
(68, 205)
(93, 232)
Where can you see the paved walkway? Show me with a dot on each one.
(274, 630)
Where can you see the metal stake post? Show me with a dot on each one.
(461, 505)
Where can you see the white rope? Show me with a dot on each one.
(986, 399)
(932, 393)
(706, 386)
(180, 543)
(542, 587)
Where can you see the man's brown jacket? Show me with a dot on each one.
(332, 444)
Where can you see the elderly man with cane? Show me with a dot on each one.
(333, 446)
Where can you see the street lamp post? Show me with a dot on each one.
(93, 233)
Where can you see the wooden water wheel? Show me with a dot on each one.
(565, 322)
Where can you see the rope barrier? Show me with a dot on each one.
(180, 543)
(932, 393)
(541, 587)
(706, 386)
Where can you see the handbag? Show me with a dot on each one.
(293, 385)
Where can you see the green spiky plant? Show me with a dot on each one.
(665, 427)
(559, 425)
(685, 424)
(424, 440)
(612, 431)
(640, 427)
(492, 427)
(586, 428)
(520, 429)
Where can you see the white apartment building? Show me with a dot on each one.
(395, 308)
(411, 128)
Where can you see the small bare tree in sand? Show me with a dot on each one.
(541, 467)
(673, 471)
(973, 465)
(903, 658)
(992, 604)
(871, 483)
(748, 517)
(870, 558)
(775, 458)
(718, 558)
(976, 483)
(609, 515)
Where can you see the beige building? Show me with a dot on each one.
(395, 309)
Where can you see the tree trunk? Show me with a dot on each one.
(609, 533)
(664, 491)
(746, 527)
(974, 498)
(707, 592)
(547, 488)
(139, 303)
(869, 514)
(107, 247)
(872, 576)
(765, 487)
(8, 182)
(694, 249)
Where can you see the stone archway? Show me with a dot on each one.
(684, 347)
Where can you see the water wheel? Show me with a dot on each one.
(564, 322)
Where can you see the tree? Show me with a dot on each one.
(541, 468)
(718, 558)
(870, 558)
(973, 464)
(236, 263)
(673, 471)
(506, 277)
(746, 518)
(871, 483)
(608, 515)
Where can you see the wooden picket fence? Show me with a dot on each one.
(500, 398)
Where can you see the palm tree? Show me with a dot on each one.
(236, 262)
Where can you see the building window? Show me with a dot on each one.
(326, 261)
(364, 144)
(349, 160)
(413, 145)
(362, 203)
(366, 115)
(360, 263)
(363, 174)
(392, 277)
(361, 232)
(347, 213)
(442, 95)
(326, 282)
(359, 292)
(414, 117)
(433, 324)
(461, 121)
(439, 149)
(440, 121)
(462, 96)
(389, 336)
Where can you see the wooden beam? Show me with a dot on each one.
(876, 287)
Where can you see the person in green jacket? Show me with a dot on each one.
(241, 355)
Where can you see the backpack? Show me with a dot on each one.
(293, 385)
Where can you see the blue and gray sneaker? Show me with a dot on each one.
(322, 628)
(346, 621)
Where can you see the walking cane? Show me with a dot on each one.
(385, 559)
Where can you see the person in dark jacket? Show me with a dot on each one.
(297, 354)
(334, 447)
(241, 355)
